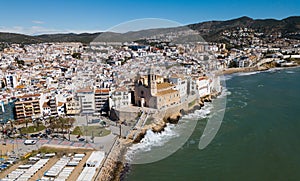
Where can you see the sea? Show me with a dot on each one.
(258, 138)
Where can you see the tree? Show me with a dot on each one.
(26, 122)
(233, 64)
(76, 55)
(53, 123)
(19, 62)
(37, 122)
(2, 84)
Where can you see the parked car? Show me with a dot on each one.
(30, 142)
(81, 139)
(3, 166)
(34, 135)
(44, 135)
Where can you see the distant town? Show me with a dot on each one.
(105, 95)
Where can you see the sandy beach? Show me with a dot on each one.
(237, 70)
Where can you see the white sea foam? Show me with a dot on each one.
(247, 73)
(226, 77)
(170, 136)
(199, 114)
(290, 72)
(242, 103)
(151, 140)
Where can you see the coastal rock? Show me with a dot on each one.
(173, 119)
(201, 103)
(159, 127)
(139, 136)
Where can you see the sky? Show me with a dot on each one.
(56, 16)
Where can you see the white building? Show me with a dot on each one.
(87, 101)
(11, 80)
(180, 85)
(203, 85)
(120, 98)
(60, 108)
(215, 84)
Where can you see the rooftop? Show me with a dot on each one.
(164, 85)
(84, 90)
(103, 90)
(169, 91)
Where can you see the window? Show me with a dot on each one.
(86, 102)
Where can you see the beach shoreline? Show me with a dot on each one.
(230, 71)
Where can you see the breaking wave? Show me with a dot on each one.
(173, 136)
(247, 73)
(290, 72)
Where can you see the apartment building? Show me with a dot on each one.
(72, 106)
(87, 101)
(7, 110)
(28, 107)
(102, 101)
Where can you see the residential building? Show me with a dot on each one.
(203, 86)
(87, 101)
(11, 80)
(181, 85)
(120, 98)
(7, 111)
(72, 106)
(53, 107)
(102, 101)
(28, 107)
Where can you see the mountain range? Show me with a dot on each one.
(210, 31)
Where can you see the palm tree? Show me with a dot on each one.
(26, 122)
(37, 123)
(66, 123)
(70, 124)
(53, 124)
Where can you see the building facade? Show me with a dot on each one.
(28, 107)
(102, 101)
(72, 106)
(120, 98)
(87, 101)
(7, 111)
(203, 85)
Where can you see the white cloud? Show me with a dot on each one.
(37, 30)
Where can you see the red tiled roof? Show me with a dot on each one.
(84, 90)
(29, 95)
(103, 90)
(203, 78)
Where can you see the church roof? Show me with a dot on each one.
(164, 85)
(169, 91)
